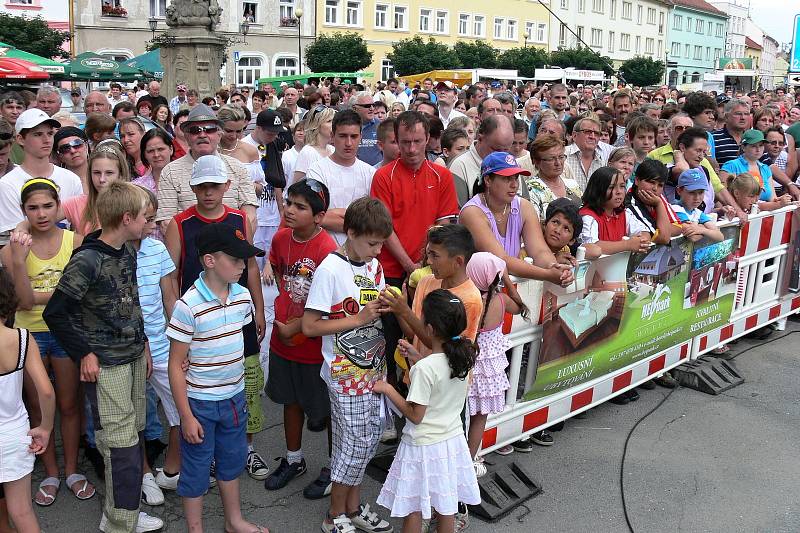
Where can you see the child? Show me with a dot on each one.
(645, 201)
(745, 189)
(454, 143)
(94, 314)
(99, 127)
(387, 142)
(695, 224)
(289, 157)
(561, 228)
(209, 182)
(295, 361)
(432, 467)
(206, 327)
(19, 443)
(36, 268)
(343, 308)
(606, 221)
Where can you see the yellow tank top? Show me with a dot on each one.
(44, 275)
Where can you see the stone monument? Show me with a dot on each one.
(195, 52)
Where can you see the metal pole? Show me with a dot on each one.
(299, 46)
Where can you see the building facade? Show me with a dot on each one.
(737, 25)
(54, 12)
(696, 40)
(272, 46)
(502, 24)
(619, 29)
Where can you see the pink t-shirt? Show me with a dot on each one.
(73, 211)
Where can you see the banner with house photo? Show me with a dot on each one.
(627, 307)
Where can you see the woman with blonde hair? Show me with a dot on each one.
(317, 140)
(234, 121)
(396, 108)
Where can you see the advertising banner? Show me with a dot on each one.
(626, 307)
(736, 63)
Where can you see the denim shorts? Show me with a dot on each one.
(224, 425)
(48, 345)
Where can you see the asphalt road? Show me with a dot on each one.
(698, 463)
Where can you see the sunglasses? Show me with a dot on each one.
(317, 187)
(74, 144)
(364, 106)
(197, 130)
(5, 136)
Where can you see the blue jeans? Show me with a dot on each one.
(152, 428)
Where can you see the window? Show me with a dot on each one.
(562, 35)
(613, 9)
(529, 31)
(463, 24)
(698, 52)
(249, 11)
(695, 77)
(248, 70)
(638, 15)
(627, 10)
(688, 23)
(651, 15)
(581, 6)
(710, 28)
(353, 12)
(541, 33)
(381, 15)
(425, 20)
(717, 54)
(597, 37)
(597, 6)
(638, 44)
(331, 11)
(285, 10)
(610, 42)
(661, 23)
(699, 25)
(660, 46)
(286, 66)
(686, 50)
(23, 2)
(400, 22)
(387, 69)
(478, 26)
(580, 35)
(625, 42)
(564, 4)
(649, 45)
(676, 50)
(719, 29)
(442, 22)
(511, 30)
(677, 22)
(158, 8)
(708, 53)
(498, 28)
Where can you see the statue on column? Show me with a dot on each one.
(204, 13)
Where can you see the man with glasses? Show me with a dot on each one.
(729, 137)
(176, 103)
(368, 150)
(72, 150)
(588, 152)
(781, 156)
(12, 104)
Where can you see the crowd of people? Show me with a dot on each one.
(344, 250)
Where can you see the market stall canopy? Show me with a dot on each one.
(19, 69)
(149, 63)
(457, 76)
(54, 68)
(352, 76)
(90, 66)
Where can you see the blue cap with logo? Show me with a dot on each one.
(693, 179)
(503, 164)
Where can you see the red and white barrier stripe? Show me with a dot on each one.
(764, 232)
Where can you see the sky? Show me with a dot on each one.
(775, 17)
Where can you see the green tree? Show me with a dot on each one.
(581, 58)
(524, 60)
(476, 54)
(412, 56)
(338, 52)
(643, 71)
(33, 35)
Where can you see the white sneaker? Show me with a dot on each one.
(389, 434)
(480, 468)
(151, 493)
(144, 524)
(166, 482)
(370, 522)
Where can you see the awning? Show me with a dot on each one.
(352, 76)
(457, 76)
(149, 63)
(93, 67)
(48, 65)
(19, 69)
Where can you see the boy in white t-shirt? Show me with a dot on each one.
(289, 157)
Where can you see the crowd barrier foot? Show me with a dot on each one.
(503, 490)
(708, 374)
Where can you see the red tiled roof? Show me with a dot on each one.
(700, 5)
(750, 43)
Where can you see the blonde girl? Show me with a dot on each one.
(745, 189)
(317, 142)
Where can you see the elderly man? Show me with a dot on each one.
(728, 138)
(203, 131)
(587, 153)
(368, 150)
(489, 107)
(446, 98)
(290, 97)
(48, 99)
(495, 134)
(530, 111)
(176, 103)
(96, 102)
(154, 95)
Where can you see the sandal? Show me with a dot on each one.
(44, 498)
(719, 350)
(86, 489)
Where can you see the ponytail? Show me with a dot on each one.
(445, 313)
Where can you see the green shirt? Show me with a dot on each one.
(794, 131)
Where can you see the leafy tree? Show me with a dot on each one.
(33, 35)
(338, 52)
(524, 60)
(412, 56)
(581, 58)
(476, 54)
(643, 71)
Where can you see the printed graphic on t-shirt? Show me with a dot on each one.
(297, 282)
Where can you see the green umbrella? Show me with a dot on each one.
(54, 68)
(93, 67)
(149, 63)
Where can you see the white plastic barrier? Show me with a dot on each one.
(763, 245)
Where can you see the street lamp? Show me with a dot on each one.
(153, 23)
(527, 37)
(299, 13)
(666, 68)
(244, 28)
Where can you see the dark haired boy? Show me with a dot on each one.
(562, 225)
(343, 308)
(387, 142)
(294, 360)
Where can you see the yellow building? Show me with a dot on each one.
(506, 24)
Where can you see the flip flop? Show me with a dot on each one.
(258, 529)
(85, 487)
(719, 350)
(48, 499)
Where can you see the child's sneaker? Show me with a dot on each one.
(166, 482)
(285, 472)
(370, 522)
(480, 468)
(256, 467)
(144, 524)
(340, 524)
(212, 475)
(151, 493)
(320, 487)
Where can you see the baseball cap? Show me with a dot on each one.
(208, 169)
(68, 131)
(693, 179)
(32, 118)
(221, 237)
(200, 113)
(180, 87)
(76, 92)
(503, 164)
(445, 85)
(270, 121)
(752, 137)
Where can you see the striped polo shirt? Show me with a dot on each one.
(725, 146)
(153, 263)
(213, 330)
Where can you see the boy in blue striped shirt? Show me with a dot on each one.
(206, 329)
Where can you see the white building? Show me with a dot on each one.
(619, 29)
(737, 25)
(769, 52)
